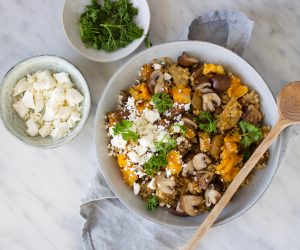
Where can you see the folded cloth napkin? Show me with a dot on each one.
(106, 227)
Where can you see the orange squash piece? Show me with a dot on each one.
(140, 92)
(181, 94)
(174, 162)
(236, 89)
(230, 159)
(209, 69)
(141, 106)
(129, 176)
(189, 133)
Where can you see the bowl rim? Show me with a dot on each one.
(108, 59)
(87, 95)
(98, 118)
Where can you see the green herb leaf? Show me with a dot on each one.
(207, 122)
(109, 27)
(246, 154)
(162, 102)
(159, 159)
(251, 133)
(147, 42)
(124, 128)
(152, 203)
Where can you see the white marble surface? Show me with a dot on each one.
(40, 190)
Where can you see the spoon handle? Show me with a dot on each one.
(234, 185)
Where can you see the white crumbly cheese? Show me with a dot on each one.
(32, 128)
(136, 188)
(48, 103)
(168, 173)
(20, 87)
(167, 77)
(133, 156)
(118, 142)
(21, 108)
(146, 141)
(187, 107)
(151, 115)
(156, 66)
(152, 184)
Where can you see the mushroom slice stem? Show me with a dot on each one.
(204, 87)
(165, 185)
(200, 161)
(212, 196)
(187, 61)
(211, 101)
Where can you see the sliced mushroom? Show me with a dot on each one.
(197, 100)
(204, 178)
(199, 78)
(211, 101)
(215, 146)
(200, 161)
(165, 185)
(189, 121)
(187, 61)
(212, 196)
(156, 78)
(204, 87)
(176, 210)
(220, 83)
(252, 115)
(187, 169)
(190, 204)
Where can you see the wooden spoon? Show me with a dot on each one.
(288, 104)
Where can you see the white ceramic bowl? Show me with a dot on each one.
(71, 13)
(10, 117)
(125, 76)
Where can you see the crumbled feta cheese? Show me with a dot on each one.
(146, 141)
(140, 150)
(28, 100)
(176, 128)
(168, 173)
(73, 97)
(133, 157)
(118, 142)
(187, 107)
(167, 77)
(74, 118)
(136, 188)
(44, 80)
(151, 115)
(20, 87)
(62, 78)
(49, 114)
(21, 108)
(63, 113)
(46, 129)
(39, 101)
(57, 97)
(152, 184)
(60, 130)
(180, 139)
(156, 66)
(32, 128)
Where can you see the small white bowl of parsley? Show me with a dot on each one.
(108, 30)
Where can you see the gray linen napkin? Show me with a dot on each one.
(228, 28)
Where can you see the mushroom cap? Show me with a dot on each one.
(211, 101)
(156, 77)
(165, 185)
(220, 83)
(176, 210)
(204, 87)
(187, 61)
(200, 161)
(252, 115)
(212, 196)
(187, 168)
(188, 121)
(189, 204)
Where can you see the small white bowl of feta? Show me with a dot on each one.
(45, 101)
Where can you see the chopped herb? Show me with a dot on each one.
(147, 42)
(246, 154)
(207, 122)
(159, 159)
(162, 101)
(152, 203)
(251, 133)
(110, 26)
(182, 128)
(124, 128)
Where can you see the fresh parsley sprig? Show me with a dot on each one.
(251, 133)
(159, 159)
(162, 102)
(109, 27)
(152, 203)
(124, 128)
(207, 122)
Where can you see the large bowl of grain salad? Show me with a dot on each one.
(175, 125)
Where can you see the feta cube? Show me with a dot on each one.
(39, 101)
(73, 97)
(63, 113)
(46, 129)
(62, 78)
(20, 87)
(156, 66)
(151, 115)
(118, 142)
(21, 108)
(136, 188)
(32, 128)
(44, 80)
(57, 97)
(28, 100)
(74, 118)
(60, 130)
(49, 114)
